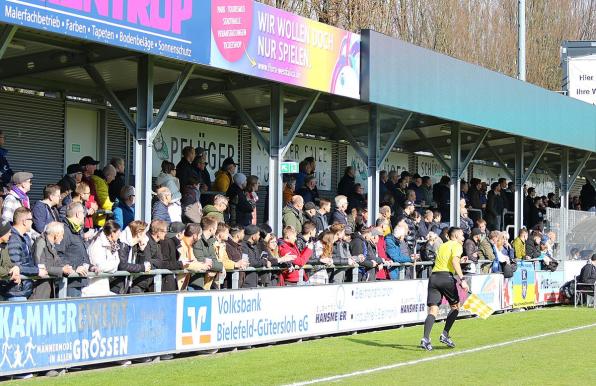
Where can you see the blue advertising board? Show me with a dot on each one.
(178, 29)
(44, 335)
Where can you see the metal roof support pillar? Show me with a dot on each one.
(564, 191)
(298, 122)
(518, 182)
(275, 148)
(143, 146)
(500, 161)
(348, 136)
(454, 185)
(6, 34)
(374, 137)
(534, 163)
(399, 129)
(580, 167)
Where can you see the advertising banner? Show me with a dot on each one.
(507, 299)
(43, 335)
(582, 78)
(548, 286)
(298, 151)
(177, 29)
(254, 39)
(524, 285)
(395, 162)
(489, 288)
(428, 166)
(248, 317)
(220, 142)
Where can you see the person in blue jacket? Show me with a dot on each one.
(397, 249)
(124, 213)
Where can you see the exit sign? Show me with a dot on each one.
(76, 148)
(289, 167)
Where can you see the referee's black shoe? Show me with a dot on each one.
(447, 341)
(425, 344)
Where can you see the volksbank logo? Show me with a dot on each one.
(196, 320)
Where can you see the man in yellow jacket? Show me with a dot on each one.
(102, 192)
(519, 244)
(223, 177)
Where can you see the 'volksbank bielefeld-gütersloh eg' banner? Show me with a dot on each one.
(42, 335)
(237, 35)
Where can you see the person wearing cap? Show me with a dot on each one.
(45, 253)
(21, 254)
(310, 210)
(124, 212)
(68, 183)
(9, 272)
(6, 172)
(17, 197)
(252, 254)
(45, 211)
(89, 166)
(234, 195)
(292, 213)
(223, 177)
(184, 169)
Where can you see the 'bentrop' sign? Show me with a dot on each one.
(173, 28)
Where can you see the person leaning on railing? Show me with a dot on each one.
(252, 254)
(20, 251)
(519, 244)
(134, 255)
(289, 250)
(204, 252)
(45, 254)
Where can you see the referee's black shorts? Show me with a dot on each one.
(442, 284)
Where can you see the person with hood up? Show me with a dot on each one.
(234, 195)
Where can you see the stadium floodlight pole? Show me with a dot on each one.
(521, 40)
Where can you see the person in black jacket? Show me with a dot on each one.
(441, 193)
(184, 169)
(347, 183)
(256, 258)
(365, 244)
(6, 172)
(533, 245)
(494, 207)
(587, 196)
(588, 274)
(340, 215)
(310, 192)
(356, 199)
(73, 248)
(321, 218)
(133, 258)
(342, 255)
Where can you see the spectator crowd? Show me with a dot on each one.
(84, 228)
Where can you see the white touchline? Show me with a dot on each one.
(437, 357)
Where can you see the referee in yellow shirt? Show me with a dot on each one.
(443, 283)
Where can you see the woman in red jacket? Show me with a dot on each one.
(288, 248)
